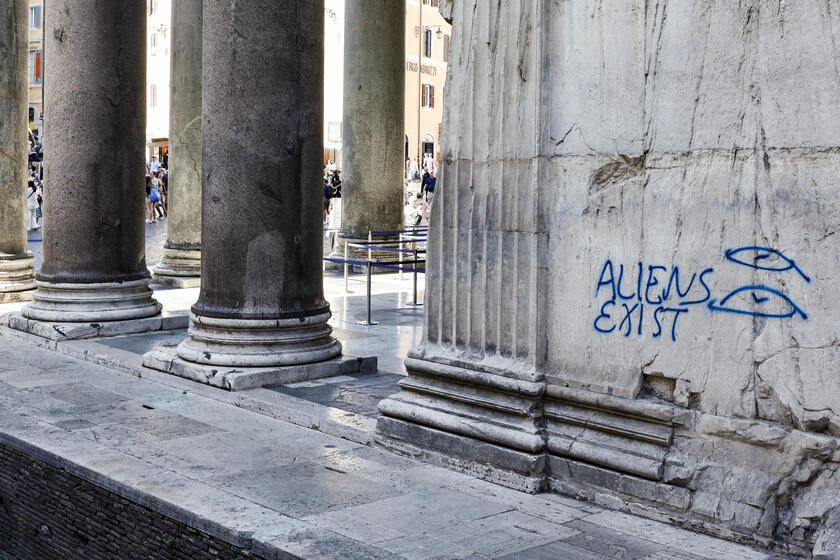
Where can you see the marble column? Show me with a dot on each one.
(262, 301)
(180, 265)
(374, 121)
(17, 271)
(94, 265)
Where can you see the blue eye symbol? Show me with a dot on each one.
(765, 302)
(762, 258)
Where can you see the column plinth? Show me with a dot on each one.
(17, 277)
(94, 267)
(259, 342)
(17, 270)
(180, 264)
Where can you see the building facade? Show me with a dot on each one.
(36, 67)
(427, 37)
(157, 76)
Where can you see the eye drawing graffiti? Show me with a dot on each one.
(761, 258)
(765, 302)
(649, 299)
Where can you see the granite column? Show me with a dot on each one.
(374, 121)
(180, 265)
(94, 265)
(17, 272)
(261, 302)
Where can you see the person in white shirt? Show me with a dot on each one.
(153, 166)
(32, 194)
(429, 163)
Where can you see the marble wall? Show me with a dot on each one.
(631, 262)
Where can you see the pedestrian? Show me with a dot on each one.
(336, 183)
(32, 204)
(328, 194)
(431, 182)
(155, 198)
(149, 204)
(412, 217)
(429, 163)
(153, 166)
(423, 182)
(413, 172)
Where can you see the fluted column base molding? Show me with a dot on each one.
(179, 268)
(17, 278)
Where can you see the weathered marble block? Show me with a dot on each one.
(631, 291)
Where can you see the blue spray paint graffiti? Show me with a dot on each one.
(666, 293)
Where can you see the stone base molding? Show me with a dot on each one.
(17, 277)
(179, 268)
(259, 342)
(97, 301)
(233, 378)
(747, 480)
(470, 415)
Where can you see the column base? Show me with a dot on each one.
(238, 378)
(179, 268)
(17, 277)
(60, 331)
(97, 302)
(259, 342)
(480, 422)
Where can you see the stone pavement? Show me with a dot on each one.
(293, 468)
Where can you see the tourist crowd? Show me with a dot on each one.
(157, 180)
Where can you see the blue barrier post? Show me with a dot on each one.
(369, 277)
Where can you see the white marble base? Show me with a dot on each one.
(248, 343)
(92, 303)
(241, 378)
(54, 330)
(16, 297)
(176, 281)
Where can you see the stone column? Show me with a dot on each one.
(94, 265)
(181, 262)
(374, 121)
(17, 272)
(262, 301)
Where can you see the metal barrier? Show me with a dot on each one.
(369, 264)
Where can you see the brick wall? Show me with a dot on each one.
(47, 513)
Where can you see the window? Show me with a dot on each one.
(35, 17)
(432, 3)
(35, 68)
(153, 7)
(428, 96)
(153, 43)
(427, 43)
(152, 95)
(446, 48)
(334, 131)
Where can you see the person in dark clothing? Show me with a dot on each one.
(336, 184)
(328, 194)
(423, 183)
(431, 182)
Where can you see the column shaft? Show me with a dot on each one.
(94, 265)
(181, 262)
(261, 300)
(17, 273)
(374, 119)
